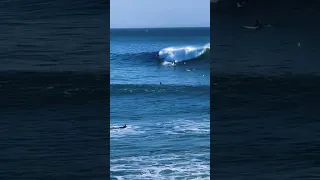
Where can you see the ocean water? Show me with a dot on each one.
(53, 101)
(265, 91)
(168, 134)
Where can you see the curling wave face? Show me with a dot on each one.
(185, 53)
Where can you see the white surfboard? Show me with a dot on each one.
(251, 27)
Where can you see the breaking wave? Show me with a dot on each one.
(183, 53)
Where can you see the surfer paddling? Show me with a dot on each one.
(122, 127)
(257, 26)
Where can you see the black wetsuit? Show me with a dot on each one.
(258, 24)
(123, 127)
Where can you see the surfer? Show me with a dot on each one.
(239, 5)
(123, 127)
(173, 62)
(258, 24)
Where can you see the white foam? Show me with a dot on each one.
(167, 63)
(166, 166)
(183, 126)
(130, 130)
(183, 53)
(183, 164)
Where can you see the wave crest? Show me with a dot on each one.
(185, 53)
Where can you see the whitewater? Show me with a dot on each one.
(183, 53)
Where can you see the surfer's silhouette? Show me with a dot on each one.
(173, 62)
(122, 127)
(258, 24)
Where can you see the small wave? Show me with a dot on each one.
(135, 58)
(184, 53)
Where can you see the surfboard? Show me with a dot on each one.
(257, 27)
(251, 27)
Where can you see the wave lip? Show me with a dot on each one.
(184, 53)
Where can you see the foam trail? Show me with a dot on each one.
(179, 54)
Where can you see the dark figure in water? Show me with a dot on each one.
(258, 24)
(160, 83)
(125, 126)
(173, 62)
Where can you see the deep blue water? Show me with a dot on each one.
(168, 135)
(265, 91)
(53, 100)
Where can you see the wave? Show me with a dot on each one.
(151, 57)
(145, 89)
(184, 53)
(141, 57)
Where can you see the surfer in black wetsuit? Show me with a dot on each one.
(123, 127)
(173, 62)
(258, 24)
